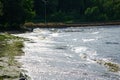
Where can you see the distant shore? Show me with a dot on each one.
(63, 25)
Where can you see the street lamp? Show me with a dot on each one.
(45, 7)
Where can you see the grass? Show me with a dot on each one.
(10, 46)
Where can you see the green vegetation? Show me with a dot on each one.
(111, 66)
(10, 46)
(76, 11)
(14, 13)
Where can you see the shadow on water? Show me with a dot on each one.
(61, 47)
(112, 43)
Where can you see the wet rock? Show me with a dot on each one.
(3, 64)
(3, 59)
(23, 76)
(61, 47)
(111, 66)
(32, 41)
(9, 72)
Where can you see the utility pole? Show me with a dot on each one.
(45, 8)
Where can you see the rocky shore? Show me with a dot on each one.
(10, 47)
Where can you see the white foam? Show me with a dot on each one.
(79, 49)
(85, 53)
(54, 35)
(37, 30)
(95, 32)
(88, 40)
(74, 39)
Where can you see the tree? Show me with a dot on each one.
(1, 7)
(16, 12)
(92, 13)
(79, 10)
(1, 13)
(28, 6)
(116, 10)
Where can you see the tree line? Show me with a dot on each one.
(14, 13)
(78, 10)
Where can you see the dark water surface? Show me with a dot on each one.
(85, 53)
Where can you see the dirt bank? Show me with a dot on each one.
(62, 25)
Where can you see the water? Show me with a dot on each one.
(85, 53)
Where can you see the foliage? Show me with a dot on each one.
(1, 6)
(28, 9)
(92, 13)
(15, 13)
(79, 10)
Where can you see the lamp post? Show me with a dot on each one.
(45, 7)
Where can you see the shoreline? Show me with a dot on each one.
(64, 25)
(11, 48)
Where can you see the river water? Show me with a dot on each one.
(81, 53)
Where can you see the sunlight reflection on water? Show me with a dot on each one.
(72, 53)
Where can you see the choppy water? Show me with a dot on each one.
(90, 53)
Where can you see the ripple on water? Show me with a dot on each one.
(85, 53)
(88, 40)
(71, 54)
